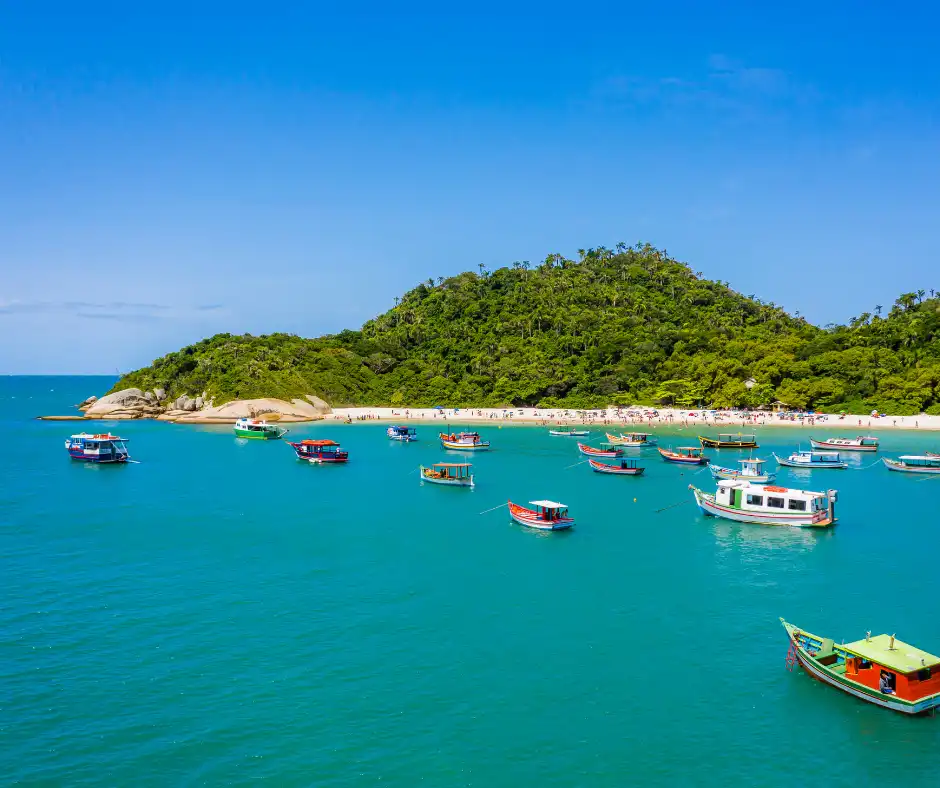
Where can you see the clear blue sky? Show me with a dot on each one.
(168, 174)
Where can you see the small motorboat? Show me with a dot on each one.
(729, 441)
(606, 450)
(464, 441)
(623, 468)
(752, 470)
(747, 502)
(258, 428)
(545, 516)
(847, 444)
(320, 452)
(684, 455)
(568, 432)
(101, 448)
(402, 433)
(812, 460)
(631, 440)
(451, 474)
(880, 669)
(909, 463)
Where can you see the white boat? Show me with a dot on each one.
(545, 516)
(812, 459)
(568, 432)
(910, 463)
(450, 474)
(752, 470)
(631, 439)
(258, 428)
(862, 443)
(464, 441)
(402, 433)
(747, 502)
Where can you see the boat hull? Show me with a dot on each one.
(811, 465)
(269, 435)
(710, 508)
(711, 443)
(893, 465)
(458, 446)
(467, 482)
(98, 460)
(616, 470)
(840, 447)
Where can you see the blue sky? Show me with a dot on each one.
(167, 174)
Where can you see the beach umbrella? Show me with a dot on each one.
(438, 407)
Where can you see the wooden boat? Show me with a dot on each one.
(568, 432)
(451, 474)
(464, 441)
(813, 460)
(258, 428)
(729, 441)
(402, 433)
(684, 455)
(546, 516)
(606, 451)
(101, 448)
(746, 502)
(624, 468)
(847, 444)
(631, 439)
(880, 669)
(752, 470)
(932, 454)
(320, 452)
(909, 463)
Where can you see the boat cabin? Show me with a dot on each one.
(752, 467)
(920, 462)
(455, 471)
(101, 447)
(636, 437)
(736, 437)
(550, 510)
(688, 451)
(765, 499)
(817, 457)
(320, 450)
(402, 432)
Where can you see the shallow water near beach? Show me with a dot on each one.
(222, 613)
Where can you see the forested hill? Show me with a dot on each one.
(621, 326)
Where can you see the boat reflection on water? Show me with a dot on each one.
(729, 534)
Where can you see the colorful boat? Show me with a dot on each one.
(320, 452)
(746, 502)
(631, 439)
(813, 460)
(880, 669)
(258, 428)
(624, 468)
(847, 444)
(684, 455)
(932, 454)
(101, 448)
(451, 474)
(464, 441)
(568, 432)
(909, 463)
(546, 516)
(727, 440)
(606, 450)
(752, 470)
(402, 433)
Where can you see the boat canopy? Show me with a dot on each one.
(548, 504)
(915, 458)
(318, 443)
(452, 465)
(743, 484)
(902, 657)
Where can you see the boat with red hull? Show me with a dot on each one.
(545, 516)
(862, 443)
(606, 450)
(320, 452)
(684, 455)
(623, 468)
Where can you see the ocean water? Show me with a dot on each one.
(222, 614)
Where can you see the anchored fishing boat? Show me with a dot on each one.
(812, 459)
(729, 441)
(752, 470)
(909, 463)
(881, 669)
(847, 444)
(320, 452)
(684, 455)
(464, 441)
(606, 450)
(100, 448)
(546, 515)
(258, 428)
(568, 432)
(631, 439)
(451, 474)
(746, 502)
(624, 468)
(402, 433)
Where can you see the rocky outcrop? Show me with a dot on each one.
(319, 405)
(270, 408)
(87, 403)
(124, 404)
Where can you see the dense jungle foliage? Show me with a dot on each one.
(621, 326)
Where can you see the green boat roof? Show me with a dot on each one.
(903, 658)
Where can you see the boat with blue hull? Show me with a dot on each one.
(101, 448)
(812, 460)
(751, 470)
(402, 433)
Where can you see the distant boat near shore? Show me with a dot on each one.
(846, 444)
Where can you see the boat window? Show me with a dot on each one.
(796, 506)
(864, 664)
(755, 500)
(774, 503)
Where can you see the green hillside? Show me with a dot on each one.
(624, 326)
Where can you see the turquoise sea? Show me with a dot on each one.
(222, 614)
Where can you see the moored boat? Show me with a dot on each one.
(451, 474)
(258, 428)
(464, 441)
(606, 450)
(623, 468)
(727, 440)
(100, 448)
(747, 502)
(881, 669)
(862, 443)
(568, 432)
(402, 433)
(684, 455)
(631, 439)
(752, 470)
(320, 452)
(812, 459)
(909, 463)
(546, 515)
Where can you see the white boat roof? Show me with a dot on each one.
(548, 504)
(919, 457)
(745, 483)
